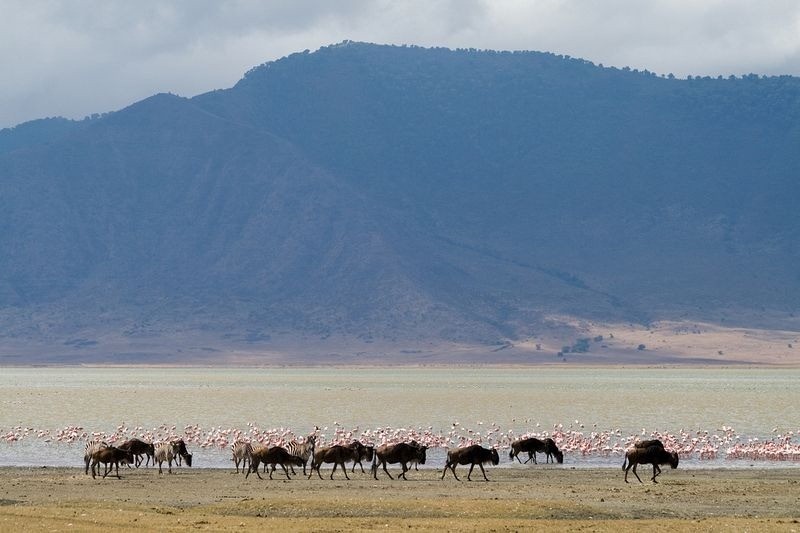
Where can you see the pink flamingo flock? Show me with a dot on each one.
(573, 440)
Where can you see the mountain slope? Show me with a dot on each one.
(397, 194)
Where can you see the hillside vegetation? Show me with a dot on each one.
(404, 195)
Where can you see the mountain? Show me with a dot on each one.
(363, 194)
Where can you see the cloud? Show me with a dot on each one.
(76, 57)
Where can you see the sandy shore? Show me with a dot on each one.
(520, 498)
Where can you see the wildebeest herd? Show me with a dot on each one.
(297, 454)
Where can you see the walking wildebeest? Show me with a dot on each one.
(402, 453)
(653, 455)
(182, 453)
(338, 455)
(362, 452)
(531, 445)
(470, 455)
(139, 448)
(276, 455)
(110, 456)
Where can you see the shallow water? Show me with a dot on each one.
(757, 403)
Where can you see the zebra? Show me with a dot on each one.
(304, 450)
(165, 452)
(89, 448)
(242, 453)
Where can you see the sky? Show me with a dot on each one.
(73, 58)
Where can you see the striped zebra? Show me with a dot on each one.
(302, 450)
(242, 452)
(165, 452)
(89, 448)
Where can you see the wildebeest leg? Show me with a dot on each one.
(452, 467)
(469, 474)
(344, 469)
(483, 472)
(405, 469)
(116, 468)
(635, 474)
(93, 465)
(252, 467)
(285, 471)
(655, 473)
(626, 469)
(387, 471)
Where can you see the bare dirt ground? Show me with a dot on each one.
(521, 498)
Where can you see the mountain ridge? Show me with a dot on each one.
(404, 194)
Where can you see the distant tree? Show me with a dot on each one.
(640, 347)
(581, 345)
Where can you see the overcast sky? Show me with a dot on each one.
(76, 57)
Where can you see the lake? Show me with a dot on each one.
(46, 413)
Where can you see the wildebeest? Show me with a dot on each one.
(654, 455)
(110, 456)
(531, 445)
(139, 448)
(648, 443)
(277, 455)
(182, 453)
(402, 452)
(362, 452)
(89, 448)
(470, 455)
(338, 455)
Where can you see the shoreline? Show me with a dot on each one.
(443, 366)
(545, 497)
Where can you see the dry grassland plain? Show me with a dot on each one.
(521, 498)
